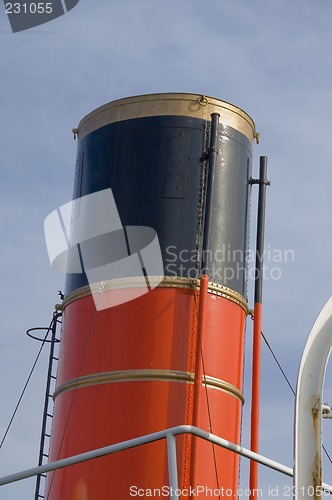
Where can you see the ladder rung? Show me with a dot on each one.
(55, 358)
(43, 475)
(49, 415)
(47, 435)
(45, 455)
(53, 376)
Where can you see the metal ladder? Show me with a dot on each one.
(48, 401)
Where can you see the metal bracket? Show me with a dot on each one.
(326, 411)
(203, 101)
(258, 181)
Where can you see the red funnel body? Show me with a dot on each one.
(129, 370)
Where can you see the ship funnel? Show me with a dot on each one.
(161, 198)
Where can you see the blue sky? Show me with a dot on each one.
(271, 59)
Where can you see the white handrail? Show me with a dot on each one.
(169, 434)
(172, 466)
(308, 408)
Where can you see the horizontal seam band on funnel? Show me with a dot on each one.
(167, 282)
(146, 375)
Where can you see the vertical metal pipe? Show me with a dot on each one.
(256, 355)
(198, 383)
(172, 466)
(213, 153)
(263, 182)
(204, 284)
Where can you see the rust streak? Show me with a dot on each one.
(317, 468)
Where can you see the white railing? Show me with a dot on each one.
(169, 435)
